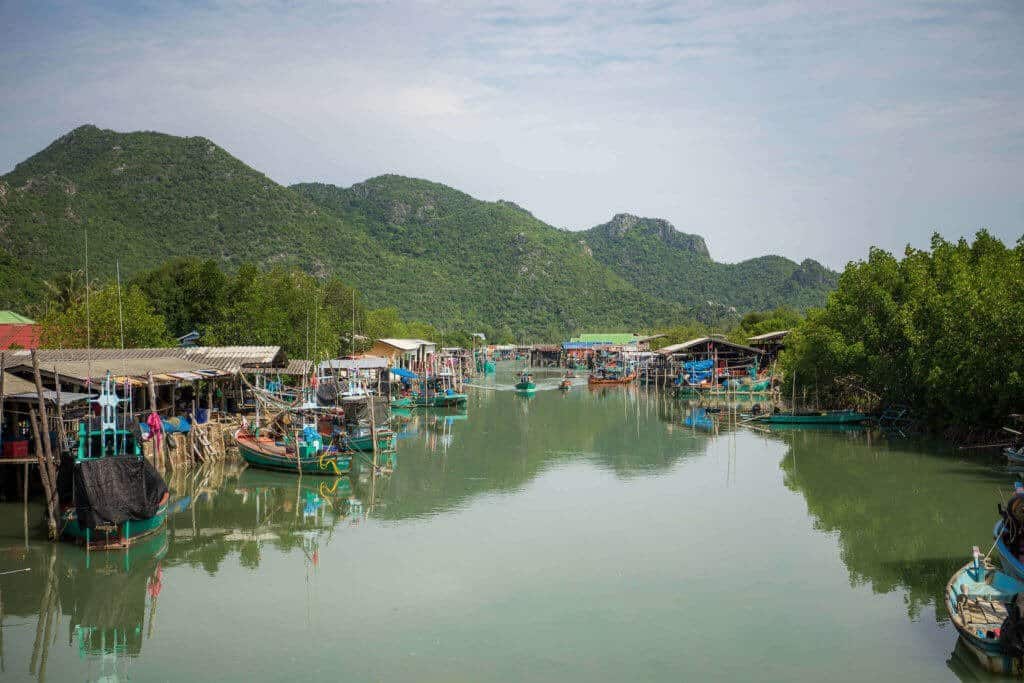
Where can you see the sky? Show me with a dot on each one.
(807, 129)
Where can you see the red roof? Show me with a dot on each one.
(19, 336)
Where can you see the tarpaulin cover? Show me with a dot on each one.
(115, 489)
(402, 372)
(699, 370)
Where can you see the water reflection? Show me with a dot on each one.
(103, 603)
(898, 509)
(667, 480)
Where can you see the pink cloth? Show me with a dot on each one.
(156, 428)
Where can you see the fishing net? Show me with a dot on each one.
(109, 491)
(1011, 635)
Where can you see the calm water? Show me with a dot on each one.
(594, 536)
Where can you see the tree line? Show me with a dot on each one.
(940, 331)
(310, 317)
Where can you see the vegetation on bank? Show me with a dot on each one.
(940, 331)
(282, 306)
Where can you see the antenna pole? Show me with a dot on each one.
(88, 319)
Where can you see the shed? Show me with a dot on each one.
(18, 331)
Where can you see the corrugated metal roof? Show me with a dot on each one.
(163, 369)
(769, 336)
(688, 345)
(296, 367)
(613, 338)
(404, 344)
(17, 385)
(12, 318)
(227, 358)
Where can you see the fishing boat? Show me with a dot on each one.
(1015, 456)
(610, 376)
(565, 385)
(983, 606)
(360, 440)
(439, 392)
(119, 497)
(274, 448)
(401, 402)
(823, 417)
(1009, 533)
(525, 382)
(446, 399)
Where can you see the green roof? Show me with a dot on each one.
(12, 318)
(616, 338)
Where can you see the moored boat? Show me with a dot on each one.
(1009, 533)
(983, 607)
(822, 417)
(446, 399)
(361, 441)
(602, 377)
(1015, 456)
(565, 385)
(119, 497)
(306, 453)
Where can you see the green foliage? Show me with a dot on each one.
(940, 331)
(675, 266)
(763, 322)
(96, 321)
(188, 292)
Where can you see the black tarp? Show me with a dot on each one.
(115, 489)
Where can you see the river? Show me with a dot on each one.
(608, 535)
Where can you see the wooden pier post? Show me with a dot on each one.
(47, 469)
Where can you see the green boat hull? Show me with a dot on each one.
(823, 418)
(127, 532)
(320, 464)
(526, 386)
(441, 401)
(401, 402)
(365, 444)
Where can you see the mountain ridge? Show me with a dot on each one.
(430, 250)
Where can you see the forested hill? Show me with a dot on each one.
(672, 265)
(433, 252)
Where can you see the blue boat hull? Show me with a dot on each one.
(1011, 565)
(988, 584)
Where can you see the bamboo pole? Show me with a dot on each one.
(47, 470)
(62, 435)
(51, 522)
(373, 431)
(159, 443)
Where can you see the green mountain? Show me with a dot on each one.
(676, 266)
(433, 252)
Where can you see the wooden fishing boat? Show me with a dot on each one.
(525, 382)
(447, 399)
(112, 448)
(824, 417)
(402, 402)
(361, 441)
(1009, 533)
(978, 599)
(271, 454)
(611, 378)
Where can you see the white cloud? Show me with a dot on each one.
(766, 126)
